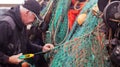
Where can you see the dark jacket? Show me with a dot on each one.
(14, 41)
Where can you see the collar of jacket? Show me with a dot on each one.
(14, 12)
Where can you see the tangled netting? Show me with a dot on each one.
(58, 27)
(83, 46)
(86, 51)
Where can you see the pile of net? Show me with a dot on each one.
(83, 46)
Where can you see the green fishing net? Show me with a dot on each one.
(83, 46)
(58, 27)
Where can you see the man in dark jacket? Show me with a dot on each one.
(13, 39)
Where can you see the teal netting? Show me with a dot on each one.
(46, 9)
(86, 51)
(89, 24)
(83, 46)
(58, 27)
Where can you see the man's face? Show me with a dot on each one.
(30, 18)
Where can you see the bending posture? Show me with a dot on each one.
(13, 39)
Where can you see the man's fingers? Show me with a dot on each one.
(47, 47)
(20, 54)
(50, 46)
(20, 60)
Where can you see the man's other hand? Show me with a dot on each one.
(14, 59)
(47, 47)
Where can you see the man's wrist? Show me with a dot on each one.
(41, 47)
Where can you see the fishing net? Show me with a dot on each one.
(83, 46)
(58, 27)
(85, 51)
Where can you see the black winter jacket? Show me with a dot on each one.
(14, 41)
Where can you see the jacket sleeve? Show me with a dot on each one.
(33, 48)
(3, 58)
(5, 33)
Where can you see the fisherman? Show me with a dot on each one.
(13, 39)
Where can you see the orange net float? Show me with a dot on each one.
(25, 64)
(81, 18)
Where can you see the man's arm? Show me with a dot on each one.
(3, 58)
(5, 35)
(5, 31)
(37, 48)
(33, 48)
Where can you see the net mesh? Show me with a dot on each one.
(83, 46)
(86, 51)
(58, 23)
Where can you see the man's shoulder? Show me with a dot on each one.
(8, 20)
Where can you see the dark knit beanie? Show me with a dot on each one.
(33, 6)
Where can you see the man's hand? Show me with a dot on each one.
(14, 59)
(47, 47)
